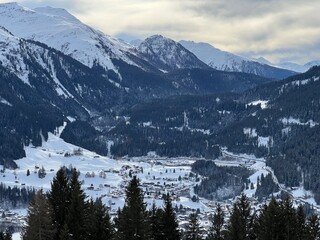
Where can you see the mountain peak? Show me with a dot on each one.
(156, 36)
(262, 60)
(61, 12)
(168, 54)
(157, 39)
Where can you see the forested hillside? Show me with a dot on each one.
(279, 121)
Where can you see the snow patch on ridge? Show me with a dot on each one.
(263, 103)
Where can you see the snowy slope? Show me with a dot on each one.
(16, 55)
(57, 78)
(59, 29)
(10, 54)
(167, 54)
(14, 52)
(226, 61)
(214, 57)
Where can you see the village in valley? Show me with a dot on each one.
(107, 178)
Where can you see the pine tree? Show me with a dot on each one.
(169, 221)
(39, 224)
(270, 223)
(289, 214)
(77, 209)
(64, 233)
(300, 223)
(42, 172)
(241, 221)
(99, 226)
(193, 229)
(59, 198)
(215, 231)
(156, 226)
(312, 228)
(132, 222)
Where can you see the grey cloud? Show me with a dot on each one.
(40, 3)
(235, 9)
(278, 29)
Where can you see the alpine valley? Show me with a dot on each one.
(213, 123)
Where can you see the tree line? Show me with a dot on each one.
(15, 196)
(66, 213)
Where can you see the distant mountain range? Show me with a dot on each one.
(226, 61)
(60, 30)
(297, 67)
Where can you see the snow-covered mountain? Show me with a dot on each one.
(299, 67)
(58, 78)
(226, 61)
(58, 29)
(167, 54)
(214, 57)
(80, 91)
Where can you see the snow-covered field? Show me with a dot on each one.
(101, 176)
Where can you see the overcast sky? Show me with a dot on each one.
(280, 30)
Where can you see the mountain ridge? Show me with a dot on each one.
(226, 61)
